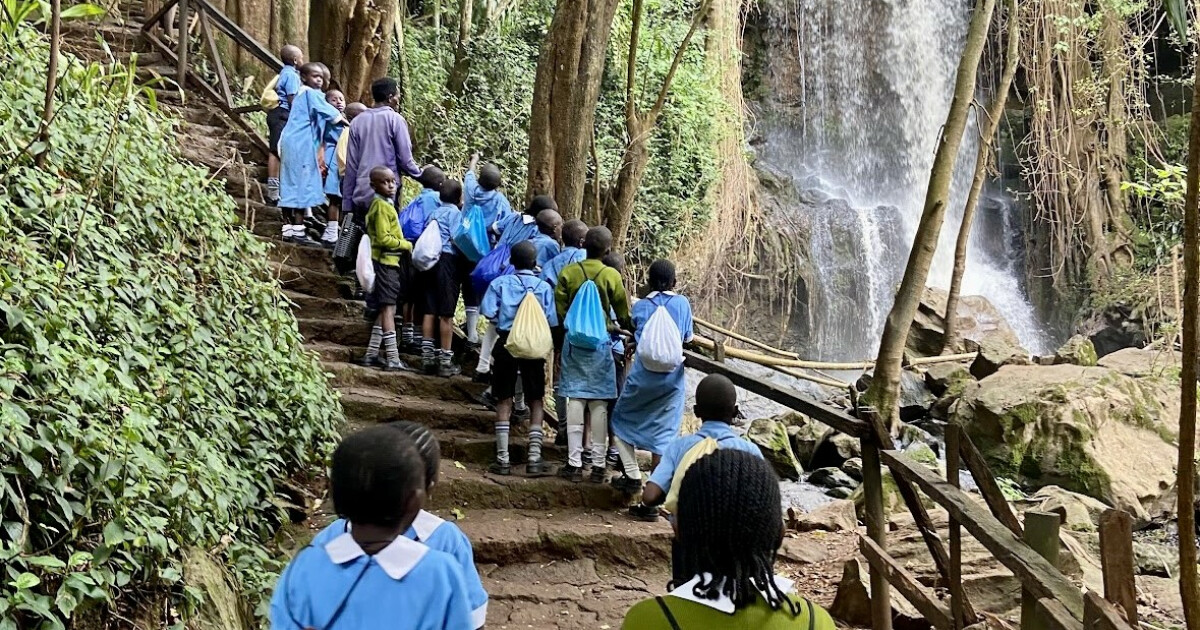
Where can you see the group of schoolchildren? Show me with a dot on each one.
(555, 307)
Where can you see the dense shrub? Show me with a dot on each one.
(153, 385)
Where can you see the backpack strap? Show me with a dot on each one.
(584, 271)
(670, 617)
(812, 618)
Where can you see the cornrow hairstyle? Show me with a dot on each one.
(730, 526)
(427, 445)
(373, 476)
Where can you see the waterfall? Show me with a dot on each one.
(872, 83)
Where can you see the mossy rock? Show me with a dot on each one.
(1078, 350)
(772, 439)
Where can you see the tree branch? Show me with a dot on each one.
(635, 31)
(51, 81)
(701, 13)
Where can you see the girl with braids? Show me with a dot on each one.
(432, 531)
(728, 530)
(369, 575)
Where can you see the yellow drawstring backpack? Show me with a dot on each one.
(530, 334)
(270, 98)
(700, 449)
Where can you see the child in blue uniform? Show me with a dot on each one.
(440, 285)
(370, 576)
(650, 409)
(412, 221)
(300, 185)
(287, 84)
(483, 190)
(333, 179)
(500, 305)
(573, 233)
(429, 529)
(546, 241)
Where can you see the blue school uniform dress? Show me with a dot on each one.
(678, 447)
(569, 256)
(300, 184)
(495, 206)
(439, 535)
(516, 228)
(333, 181)
(406, 586)
(650, 409)
(547, 248)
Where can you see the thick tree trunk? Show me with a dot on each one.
(983, 159)
(886, 384)
(565, 92)
(462, 62)
(354, 38)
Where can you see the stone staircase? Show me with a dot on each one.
(553, 554)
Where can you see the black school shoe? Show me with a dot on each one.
(500, 469)
(398, 366)
(644, 513)
(599, 475)
(536, 468)
(627, 485)
(574, 474)
(447, 370)
(483, 378)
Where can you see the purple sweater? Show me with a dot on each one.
(378, 137)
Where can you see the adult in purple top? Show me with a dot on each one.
(378, 137)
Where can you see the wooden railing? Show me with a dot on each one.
(202, 16)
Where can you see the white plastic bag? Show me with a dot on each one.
(661, 347)
(428, 249)
(363, 267)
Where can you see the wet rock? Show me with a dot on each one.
(834, 449)
(771, 437)
(922, 453)
(831, 478)
(1078, 350)
(840, 493)
(1114, 327)
(915, 397)
(832, 517)
(1079, 513)
(947, 379)
(853, 467)
(994, 354)
(1091, 430)
(978, 321)
(852, 604)
(804, 435)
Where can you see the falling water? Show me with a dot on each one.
(874, 85)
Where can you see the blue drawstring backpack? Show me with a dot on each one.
(413, 219)
(586, 325)
(471, 236)
(516, 230)
(493, 265)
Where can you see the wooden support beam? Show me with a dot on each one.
(218, 63)
(1034, 571)
(953, 434)
(906, 583)
(1116, 559)
(1056, 617)
(1098, 614)
(881, 597)
(240, 36)
(1041, 534)
(986, 482)
(153, 20)
(181, 57)
(825, 414)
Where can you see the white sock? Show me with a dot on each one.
(575, 432)
(473, 324)
(628, 458)
(490, 336)
(599, 411)
(331, 232)
(287, 230)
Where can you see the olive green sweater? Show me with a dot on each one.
(648, 615)
(387, 239)
(608, 283)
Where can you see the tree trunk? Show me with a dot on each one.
(462, 62)
(565, 92)
(983, 159)
(889, 364)
(1186, 481)
(354, 38)
(51, 81)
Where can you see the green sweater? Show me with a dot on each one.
(648, 615)
(387, 239)
(608, 282)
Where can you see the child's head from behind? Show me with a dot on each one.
(353, 110)
(598, 242)
(383, 181)
(432, 177)
(716, 399)
(385, 91)
(489, 176)
(614, 259)
(549, 222)
(337, 99)
(427, 445)
(539, 203)
(661, 276)
(312, 76)
(451, 192)
(377, 478)
(292, 56)
(524, 256)
(573, 233)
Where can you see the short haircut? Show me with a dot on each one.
(427, 445)
(311, 67)
(381, 172)
(374, 474)
(489, 176)
(716, 398)
(384, 89)
(549, 222)
(598, 242)
(574, 232)
(614, 259)
(661, 275)
(729, 527)
(451, 191)
(432, 177)
(289, 54)
(539, 203)
(354, 109)
(524, 255)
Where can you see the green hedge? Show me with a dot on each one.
(153, 383)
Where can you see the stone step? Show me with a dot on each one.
(469, 487)
(307, 281)
(309, 307)
(345, 376)
(567, 594)
(506, 537)
(373, 405)
(332, 352)
(480, 449)
(301, 257)
(347, 331)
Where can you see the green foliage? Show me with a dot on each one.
(13, 13)
(152, 381)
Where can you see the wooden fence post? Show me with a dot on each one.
(182, 54)
(953, 451)
(1041, 534)
(881, 600)
(1116, 559)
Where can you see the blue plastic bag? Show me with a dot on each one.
(516, 230)
(413, 219)
(586, 325)
(471, 237)
(493, 265)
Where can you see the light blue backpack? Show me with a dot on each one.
(586, 324)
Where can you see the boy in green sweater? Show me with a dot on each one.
(387, 244)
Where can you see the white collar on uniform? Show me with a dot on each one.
(722, 603)
(655, 293)
(426, 524)
(397, 559)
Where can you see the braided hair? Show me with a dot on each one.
(729, 526)
(427, 446)
(373, 476)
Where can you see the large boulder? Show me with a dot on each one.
(834, 449)
(836, 516)
(978, 320)
(1114, 327)
(995, 354)
(1091, 430)
(804, 433)
(1078, 350)
(772, 439)
(1079, 513)
(1144, 363)
(947, 379)
(852, 603)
